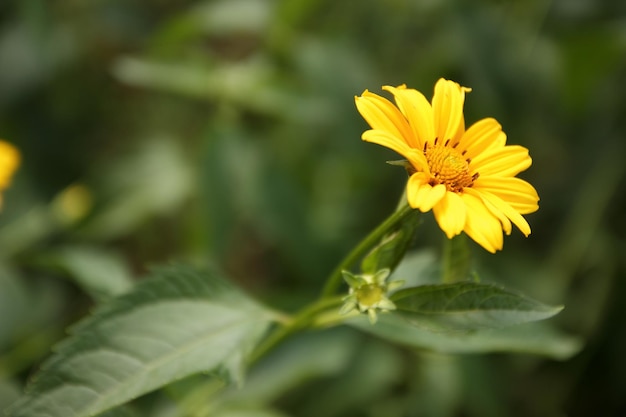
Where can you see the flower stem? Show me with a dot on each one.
(455, 260)
(307, 316)
(299, 321)
(334, 280)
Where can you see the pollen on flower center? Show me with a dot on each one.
(448, 166)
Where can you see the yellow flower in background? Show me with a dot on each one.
(467, 177)
(9, 161)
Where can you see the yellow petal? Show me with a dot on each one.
(507, 161)
(482, 226)
(508, 211)
(418, 160)
(450, 214)
(388, 140)
(504, 220)
(420, 194)
(517, 193)
(448, 110)
(417, 111)
(9, 161)
(483, 135)
(381, 114)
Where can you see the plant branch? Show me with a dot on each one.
(299, 321)
(334, 280)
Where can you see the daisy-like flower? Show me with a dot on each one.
(9, 161)
(467, 177)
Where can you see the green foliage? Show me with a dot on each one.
(467, 306)
(456, 259)
(224, 132)
(392, 247)
(100, 273)
(534, 338)
(177, 322)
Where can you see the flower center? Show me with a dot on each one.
(370, 295)
(449, 167)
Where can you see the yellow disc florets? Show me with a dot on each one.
(448, 166)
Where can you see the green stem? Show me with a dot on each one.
(334, 280)
(328, 301)
(299, 321)
(455, 259)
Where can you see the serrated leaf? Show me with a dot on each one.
(392, 247)
(533, 338)
(466, 306)
(178, 322)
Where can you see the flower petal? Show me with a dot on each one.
(481, 225)
(417, 111)
(507, 161)
(381, 114)
(421, 195)
(448, 110)
(504, 220)
(418, 160)
(483, 135)
(388, 140)
(508, 211)
(9, 161)
(517, 193)
(450, 214)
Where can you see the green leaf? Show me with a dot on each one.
(465, 306)
(9, 392)
(178, 322)
(285, 369)
(418, 268)
(161, 180)
(533, 338)
(101, 273)
(392, 247)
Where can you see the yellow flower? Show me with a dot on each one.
(9, 161)
(467, 177)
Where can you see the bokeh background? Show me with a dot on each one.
(224, 132)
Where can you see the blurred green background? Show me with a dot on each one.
(225, 133)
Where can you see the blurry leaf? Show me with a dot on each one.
(152, 181)
(456, 259)
(418, 268)
(41, 221)
(374, 369)
(14, 302)
(247, 84)
(102, 274)
(252, 84)
(233, 16)
(285, 368)
(33, 58)
(178, 322)
(26, 230)
(437, 385)
(28, 317)
(9, 392)
(253, 412)
(533, 338)
(392, 247)
(467, 306)
(123, 411)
